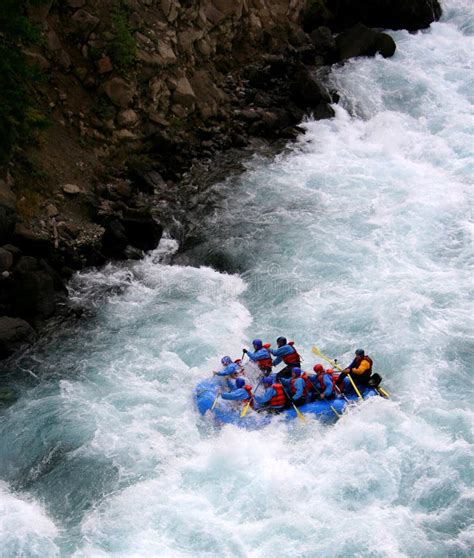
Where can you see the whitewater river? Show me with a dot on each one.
(357, 236)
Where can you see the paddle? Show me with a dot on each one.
(316, 351)
(319, 392)
(298, 412)
(247, 407)
(215, 400)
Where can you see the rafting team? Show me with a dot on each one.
(291, 385)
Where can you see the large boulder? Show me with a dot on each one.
(359, 40)
(137, 229)
(388, 14)
(142, 231)
(114, 240)
(308, 91)
(119, 91)
(14, 333)
(34, 295)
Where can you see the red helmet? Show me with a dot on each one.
(330, 371)
(318, 368)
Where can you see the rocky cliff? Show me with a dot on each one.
(138, 92)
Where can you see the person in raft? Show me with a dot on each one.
(230, 368)
(288, 354)
(297, 387)
(273, 399)
(324, 382)
(360, 370)
(240, 392)
(261, 356)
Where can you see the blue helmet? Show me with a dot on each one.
(226, 360)
(257, 343)
(297, 371)
(268, 381)
(240, 382)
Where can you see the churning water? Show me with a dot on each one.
(360, 235)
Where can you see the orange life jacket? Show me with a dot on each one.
(293, 389)
(369, 360)
(291, 358)
(279, 399)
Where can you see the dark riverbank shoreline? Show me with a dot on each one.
(140, 170)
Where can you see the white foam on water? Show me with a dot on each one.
(25, 527)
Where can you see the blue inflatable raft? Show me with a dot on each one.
(228, 412)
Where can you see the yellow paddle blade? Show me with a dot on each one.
(245, 410)
(316, 351)
(299, 414)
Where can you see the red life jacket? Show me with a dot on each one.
(266, 362)
(322, 385)
(307, 381)
(291, 358)
(293, 389)
(279, 399)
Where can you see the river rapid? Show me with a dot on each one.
(359, 235)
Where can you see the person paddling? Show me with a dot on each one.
(261, 356)
(230, 368)
(288, 354)
(297, 387)
(325, 382)
(241, 392)
(273, 399)
(360, 370)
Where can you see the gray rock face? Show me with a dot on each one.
(84, 22)
(14, 332)
(119, 91)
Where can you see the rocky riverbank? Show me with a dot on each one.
(141, 97)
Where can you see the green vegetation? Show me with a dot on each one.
(19, 120)
(123, 48)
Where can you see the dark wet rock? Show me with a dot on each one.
(114, 240)
(6, 260)
(387, 14)
(137, 229)
(324, 43)
(359, 40)
(142, 231)
(14, 332)
(308, 90)
(7, 212)
(31, 242)
(34, 295)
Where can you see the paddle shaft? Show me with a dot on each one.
(298, 412)
(319, 391)
(327, 359)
